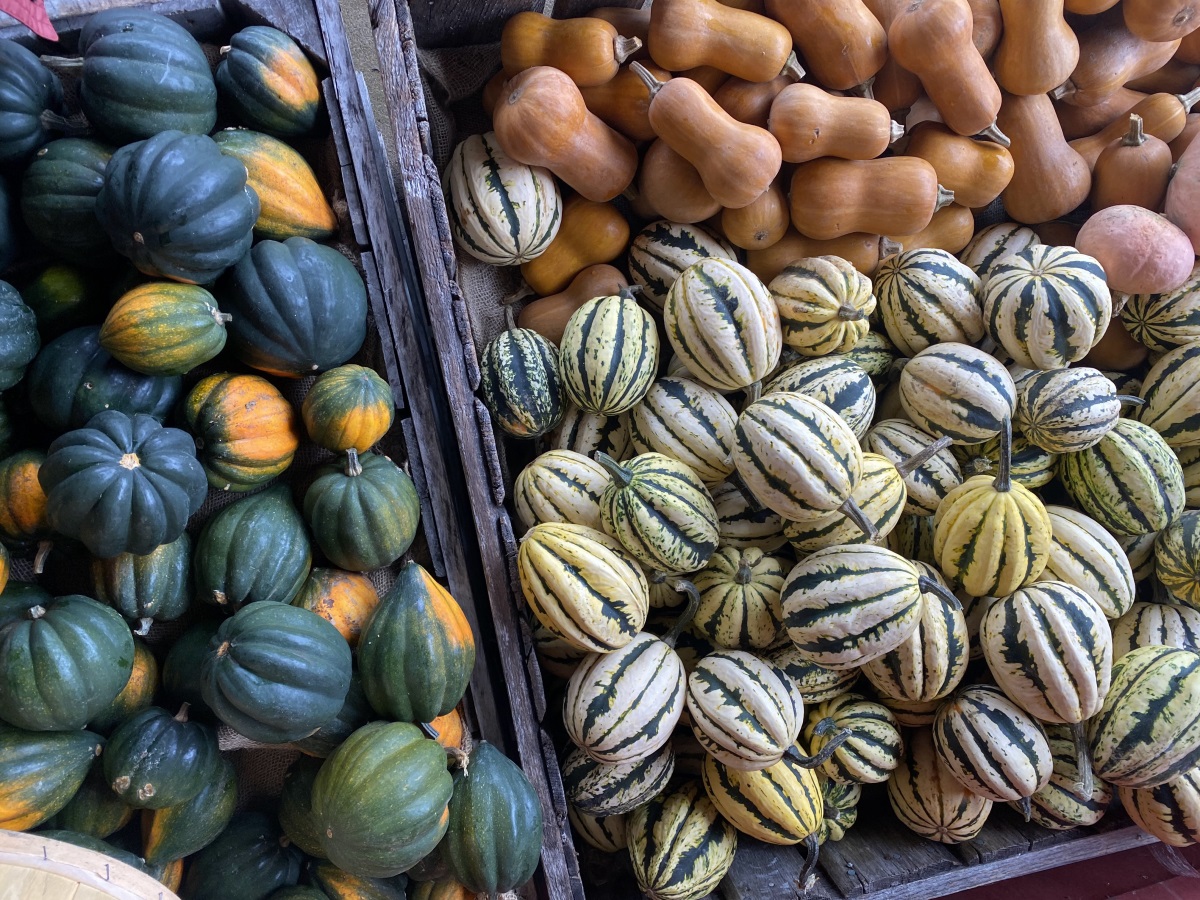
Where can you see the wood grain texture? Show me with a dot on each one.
(567, 9)
(879, 852)
(35, 868)
(458, 23)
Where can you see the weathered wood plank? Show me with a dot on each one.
(878, 853)
(457, 23)
(204, 18)
(764, 871)
(1003, 837)
(297, 17)
(566, 9)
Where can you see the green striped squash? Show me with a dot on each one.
(912, 538)
(1189, 461)
(1047, 306)
(743, 522)
(1130, 482)
(606, 833)
(928, 297)
(582, 586)
(519, 382)
(781, 804)
(994, 243)
(743, 710)
(825, 305)
(679, 845)
(739, 599)
(879, 495)
(1066, 410)
(1171, 394)
(929, 800)
(956, 390)
(1169, 812)
(1163, 322)
(814, 683)
(587, 433)
(871, 752)
(910, 714)
(840, 383)
(843, 606)
(662, 250)
(501, 212)
(931, 663)
(660, 511)
(688, 422)
(1177, 560)
(925, 485)
(1148, 730)
(841, 808)
(1139, 550)
(723, 325)
(560, 486)
(1161, 624)
(558, 657)
(620, 707)
(873, 352)
(1062, 804)
(1049, 648)
(991, 746)
(1082, 553)
(608, 355)
(600, 789)
(1030, 465)
(796, 455)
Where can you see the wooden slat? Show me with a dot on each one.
(1003, 837)
(203, 18)
(878, 853)
(457, 23)
(566, 9)
(764, 871)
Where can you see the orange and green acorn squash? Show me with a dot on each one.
(95, 809)
(269, 82)
(348, 408)
(346, 599)
(40, 771)
(186, 828)
(164, 328)
(137, 694)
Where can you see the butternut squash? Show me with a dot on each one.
(1186, 137)
(1176, 77)
(750, 101)
(1109, 56)
(1133, 169)
(1090, 7)
(1080, 121)
(1163, 115)
(548, 315)
(1117, 351)
(633, 23)
(1189, 48)
(590, 233)
(894, 86)
(987, 26)
(689, 33)
(589, 51)
(863, 251)
(1161, 20)
(751, 5)
(977, 171)
(1057, 233)
(492, 91)
(708, 77)
(1038, 50)
(932, 38)
(736, 161)
(895, 195)
(809, 123)
(842, 43)
(761, 224)
(543, 121)
(672, 187)
(1183, 195)
(623, 103)
(950, 229)
(1050, 178)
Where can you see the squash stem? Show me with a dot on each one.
(854, 513)
(1137, 132)
(831, 747)
(1130, 400)
(888, 247)
(353, 466)
(849, 313)
(36, 612)
(1190, 99)
(75, 125)
(619, 473)
(510, 318)
(866, 89)
(812, 851)
(224, 51)
(742, 575)
(933, 586)
(995, 135)
(182, 715)
(62, 63)
(625, 47)
(683, 586)
(1026, 807)
(1066, 89)
(897, 132)
(223, 318)
(39, 558)
(653, 85)
(1003, 482)
(1083, 761)
(945, 197)
(143, 626)
(753, 392)
(908, 466)
(792, 68)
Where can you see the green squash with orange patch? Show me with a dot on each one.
(346, 599)
(269, 82)
(348, 408)
(164, 328)
(40, 771)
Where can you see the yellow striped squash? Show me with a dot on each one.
(606, 833)
(844, 606)
(1130, 482)
(1082, 553)
(1189, 461)
(928, 297)
(873, 748)
(873, 352)
(1047, 306)
(662, 250)
(929, 800)
(739, 599)
(560, 486)
(608, 355)
(779, 805)
(840, 383)
(603, 789)
(621, 706)
(814, 683)
(556, 656)
(1171, 394)
(660, 512)
(586, 433)
(994, 243)
(956, 390)
(1031, 466)
(824, 305)
(879, 496)
(164, 328)
(1148, 730)
(1139, 550)
(688, 422)
(679, 845)
(1148, 624)
(743, 522)
(1169, 812)
(910, 714)
(1066, 410)
(840, 808)
(1062, 803)
(723, 324)
(912, 538)
(519, 383)
(582, 586)
(796, 455)
(926, 484)
(1163, 322)
(991, 745)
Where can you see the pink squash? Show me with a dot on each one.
(1141, 252)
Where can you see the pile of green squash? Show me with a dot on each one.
(178, 326)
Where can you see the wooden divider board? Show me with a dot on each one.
(35, 868)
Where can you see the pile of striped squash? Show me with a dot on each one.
(844, 509)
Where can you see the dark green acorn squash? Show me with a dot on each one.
(299, 892)
(58, 198)
(17, 598)
(40, 771)
(494, 840)
(178, 207)
(253, 549)
(416, 652)
(380, 799)
(88, 842)
(154, 760)
(338, 884)
(298, 307)
(142, 74)
(19, 340)
(363, 511)
(74, 379)
(354, 714)
(249, 860)
(63, 663)
(27, 89)
(94, 810)
(64, 297)
(184, 829)
(137, 694)
(148, 588)
(276, 673)
(269, 82)
(122, 484)
(181, 668)
(295, 806)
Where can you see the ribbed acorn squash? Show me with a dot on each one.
(181, 830)
(58, 198)
(349, 407)
(155, 586)
(27, 89)
(154, 760)
(40, 772)
(137, 694)
(19, 340)
(163, 328)
(249, 860)
(269, 82)
(94, 810)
